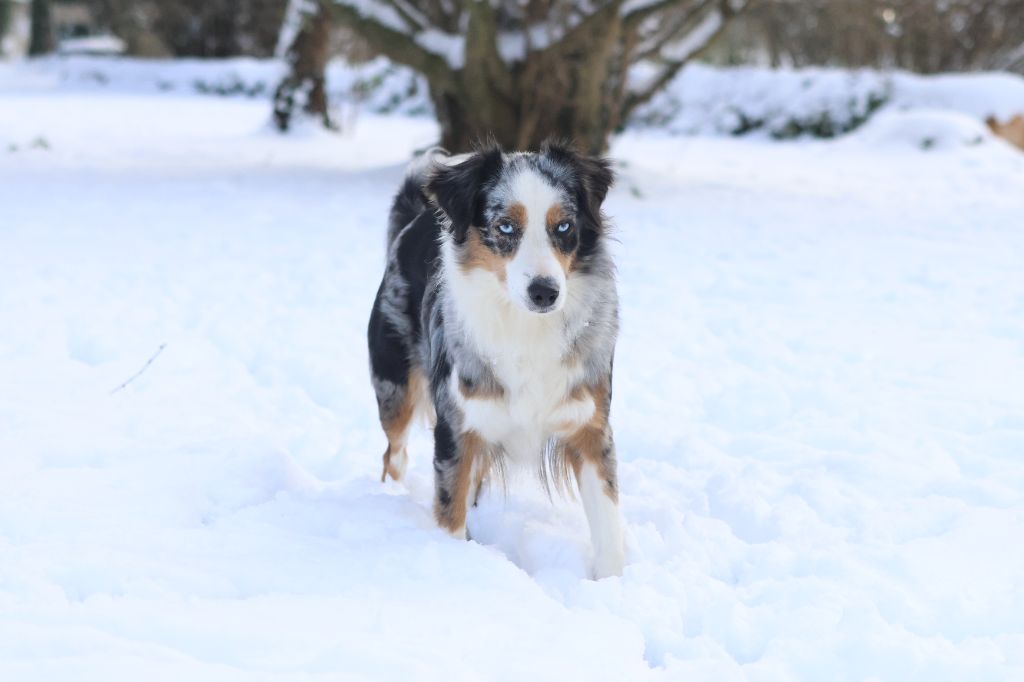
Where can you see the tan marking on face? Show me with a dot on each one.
(453, 516)
(555, 216)
(588, 442)
(476, 255)
(517, 214)
(396, 426)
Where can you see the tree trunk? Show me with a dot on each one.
(523, 72)
(550, 93)
(305, 83)
(5, 19)
(41, 40)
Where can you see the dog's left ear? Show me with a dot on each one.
(594, 177)
(458, 190)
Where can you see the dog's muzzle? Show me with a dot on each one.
(543, 294)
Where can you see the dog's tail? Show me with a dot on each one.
(410, 200)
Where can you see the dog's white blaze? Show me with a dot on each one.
(605, 524)
(535, 256)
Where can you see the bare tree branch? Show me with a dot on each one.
(409, 14)
(651, 44)
(579, 32)
(387, 38)
(696, 40)
(139, 373)
(633, 18)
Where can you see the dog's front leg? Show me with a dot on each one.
(593, 459)
(454, 454)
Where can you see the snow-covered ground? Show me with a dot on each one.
(701, 100)
(819, 407)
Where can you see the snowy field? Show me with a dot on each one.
(819, 407)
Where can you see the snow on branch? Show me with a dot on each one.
(395, 29)
(696, 39)
(675, 53)
(450, 47)
(634, 11)
(515, 45)
(411, 15)
(295, 16)
(380, 12)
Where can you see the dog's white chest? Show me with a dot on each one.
(536, 402)
(535, 405)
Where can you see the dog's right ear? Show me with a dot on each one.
(458, 190)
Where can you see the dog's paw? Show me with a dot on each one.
(608, 562)
(458, 533)
(395, 464)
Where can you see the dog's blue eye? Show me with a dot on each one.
(506, 228)
(563, 227)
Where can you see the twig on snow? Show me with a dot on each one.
(144, 368)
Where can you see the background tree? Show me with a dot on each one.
(219, 28)
(5, 19)
(304, 42)
(521, 71)
(42, 40)
(926, 36)
(192, 28)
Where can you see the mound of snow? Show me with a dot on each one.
(92, 45)
(819, 102)
(925, 129)
(976, 94)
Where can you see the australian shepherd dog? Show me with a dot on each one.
(497, 319)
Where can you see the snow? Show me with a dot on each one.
(705, 100)
(513, 46)
(450, 47)
(380, 12)
(376, 85)
(924, 129)
(295, 14)
(447, 46)
(817, 408)
(104, 44)
(978, 94)
(702, 100)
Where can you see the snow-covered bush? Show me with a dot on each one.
(381, 87)
(702, 100)
(376, 86)
(783, 104)
(817, 102)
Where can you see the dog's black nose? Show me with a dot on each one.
(543, 292)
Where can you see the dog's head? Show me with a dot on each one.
(529, 219)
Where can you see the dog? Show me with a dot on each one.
(497, 318)
(1012, 131)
